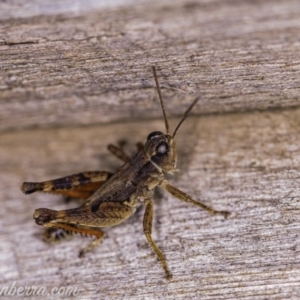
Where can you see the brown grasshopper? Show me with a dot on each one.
(109, 199)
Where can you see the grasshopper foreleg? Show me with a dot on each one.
(186, 198)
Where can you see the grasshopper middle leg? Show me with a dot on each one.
(148, 218)
(120, 153)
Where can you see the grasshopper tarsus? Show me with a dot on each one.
(91, 245)
(225, 213)
(109, 199)
(169, 275)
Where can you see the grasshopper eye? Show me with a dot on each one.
(154, 134)
(162, 148)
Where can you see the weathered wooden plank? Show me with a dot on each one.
(91, 67)
(63, 67)
(246, 163)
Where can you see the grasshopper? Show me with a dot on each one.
(110, 199)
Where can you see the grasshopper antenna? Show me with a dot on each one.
(161, 100)
(185, 115)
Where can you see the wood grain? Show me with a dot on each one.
(94, 67)
(62, 68)
(254, 254)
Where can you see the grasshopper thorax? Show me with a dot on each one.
(160, 148)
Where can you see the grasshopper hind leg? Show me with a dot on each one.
(57, 230)
(61, 231)
(81, 185)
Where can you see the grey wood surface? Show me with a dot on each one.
(91, 67)
(64, 65)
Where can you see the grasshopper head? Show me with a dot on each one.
(161, 150)
(160, 147)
